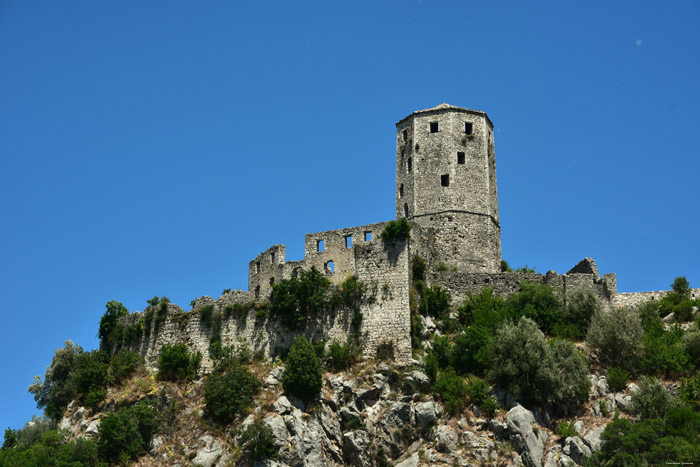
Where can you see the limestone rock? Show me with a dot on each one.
(412, 461)
(445, 439)
(156, 442)
(576, 449)
(274, 377)
(528, 444)
(623, 401)
(422, 381)
(93, 429)
(427, 413)
(209, 454)
(355, 444)
(282, 405)
(602, 386)
(592, 438)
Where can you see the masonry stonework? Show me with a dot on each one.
(446, 188)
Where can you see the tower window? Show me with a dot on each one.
(468, 128)
(272, 281)
(348, 241)
(257, 291)
(368, 236)
(433, 127)
(319, 245)
(461, 158)
(405, 210)
(445, 180)
(405, 135)
(410, 164)
(257, 266)
(272, 257)
(330, 267)
(401, 191)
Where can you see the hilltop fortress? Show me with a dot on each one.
(446, 188)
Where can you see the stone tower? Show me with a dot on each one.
(446, 185)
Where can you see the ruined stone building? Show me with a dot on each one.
(446, 187)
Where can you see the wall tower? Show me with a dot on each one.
(446, 185)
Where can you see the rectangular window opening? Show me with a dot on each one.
(433, 127)
(401, 191)
(272, 257)
(468, 128)
(405, 135)
(410, 164)
(330, 267)
(319, 245)
(257, 292)
(405, 210)
(257, 266)
(272, 281)
(461, 158)
(445, 180)
(368, 236)
(348, 241)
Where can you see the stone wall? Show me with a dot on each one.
(386, 316)
(460, 284)
(633, 299)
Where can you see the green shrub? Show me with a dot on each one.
(566, 429)
(523, 363)
(431, 366)
(302, 375)
(581, 305)
(91, 376)
(652, 400)
(451, 390)
(161, 314)
(691, 344)
(505, 267)
(109, 323)
(176, 364)
(442, 350)
(147, 322)
(617, 377)
(341, 356)
(206, 314)
(435, 302)
(258, 443)
(689, 392)
(397, 230)
(350, 293)
(681, 286)
(478, 390)
(94, 398)
(125, 434)
(51, 449)
(483, 309)
(418, 268)
(124, 364)
(229, 390)
(616, 336)
(664, 352)
(297, 299)
(537, 302)
(489, 406)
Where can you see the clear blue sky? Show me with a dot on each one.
(156, 147)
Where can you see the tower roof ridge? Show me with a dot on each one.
(445, 106)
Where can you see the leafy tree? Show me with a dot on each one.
(124, 364)
(617, 336)
(125, 434)
(109, 325)
(229, 390)
(652, 400)
(523, 363)
(341, 356)
(581, 305)
(681, 286)
(58, 388)
(452, 390)
(396, 230)
(302, 375)
(175, 363)
(537, 302)
(259, 443)
(297, 299)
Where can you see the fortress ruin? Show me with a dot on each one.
(446, 188)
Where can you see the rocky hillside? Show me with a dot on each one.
(375, 414)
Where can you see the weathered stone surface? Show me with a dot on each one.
(576, 449)
(445, 438)
(273, 379)
(528, 444)
(592, 438)
(209, 454)
(585, 266)
(355, 444)
(602, 386)
(93, 429)
(623, 401)
(427, 413)
(422, 381)
(156, 442)
(412, 461)
(282, 405)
